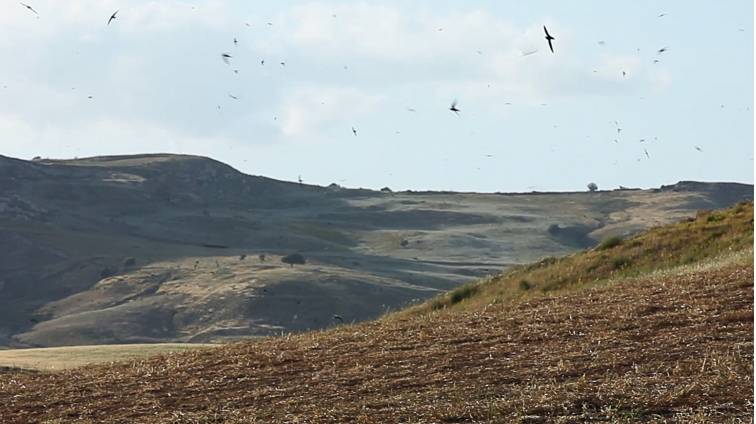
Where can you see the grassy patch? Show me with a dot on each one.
(609, 243)
(456, 296)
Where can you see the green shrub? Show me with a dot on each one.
(715, 217)
(621, 262)
(461, 293)
(610, 242)
(525, 285)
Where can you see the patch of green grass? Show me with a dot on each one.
(609, 243)
(525, 285)
(620, 262)
(456, 296)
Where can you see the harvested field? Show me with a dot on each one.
(58, 358)
(672, 347)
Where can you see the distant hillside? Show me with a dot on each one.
(708, 236)
(146, 248)
(665, 336)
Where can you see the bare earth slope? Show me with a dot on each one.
(675, 346)
(147, 248)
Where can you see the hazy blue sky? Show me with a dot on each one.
(157, 81)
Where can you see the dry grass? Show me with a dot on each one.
(711, 234)
(672, 347)
(59, 358)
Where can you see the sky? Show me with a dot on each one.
(153, 80)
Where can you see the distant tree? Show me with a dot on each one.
(386, 190)
(404, 243)
(261, 256)
(294, 258)
(592, 187)
(242, 257)
(37, 158)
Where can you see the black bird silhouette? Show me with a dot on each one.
(232, 96)
(354, 131)
(225, 57)
(699, 149)
(453, 107)
(549, 38)
(646, 152)
(30, 8)
(411, 109)
(262, 62)
(529, 52)
(338, 318)
(661, 50)
(236, 41)
(663, 14)
(113, 16)
(283, 63)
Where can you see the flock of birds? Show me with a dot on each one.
(454, 107)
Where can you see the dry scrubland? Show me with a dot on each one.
(667, 335)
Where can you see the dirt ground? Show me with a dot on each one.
(673, 347)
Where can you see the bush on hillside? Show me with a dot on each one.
(294, 259)
(609, 242)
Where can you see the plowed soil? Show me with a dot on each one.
(674, 347)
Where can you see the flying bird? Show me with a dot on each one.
(549, 38)
(283, 63)
(354, 131)
(232, 96)
(646, 152)
(661, 50)
(30, 8)
(411, 109)
(226, 57)
(601, 42)
(338, 318)
(236, 41)
(453, 107)
(529, 52)
(113, 16)
(699, 149)
(262, 62)
(662, 14)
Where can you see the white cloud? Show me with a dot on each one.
(307, 110)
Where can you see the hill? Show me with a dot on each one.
(645, 344)
(176, 248)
